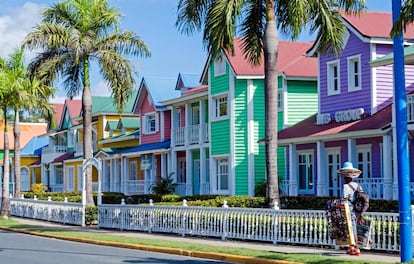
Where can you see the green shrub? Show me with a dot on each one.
(91, 215)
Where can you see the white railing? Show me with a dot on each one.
(59, 212)
(206, 136)
(194, 134)
(54, 149)
(135, 187)
(307, 227)
(179, 136)
(373, 186)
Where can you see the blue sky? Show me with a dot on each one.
(152, 20)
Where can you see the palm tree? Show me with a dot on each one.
(257, 22)
(28, 94)
(9, 73)
(73, 34)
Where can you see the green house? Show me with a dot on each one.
(237, 113)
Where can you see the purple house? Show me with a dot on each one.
(354, 119)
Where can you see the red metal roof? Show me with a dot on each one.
(308, 127)
(61, 158)
(200, 88)
(291, 60)
(375, 24)
(74, 107)
(58, 111)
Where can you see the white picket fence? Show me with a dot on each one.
(304, 227)
(59, 212)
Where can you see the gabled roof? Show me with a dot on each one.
(157, 90)
(111, 125)
(105, 104)
(291, 60)
(307, 131)
(35, 145)
(375, 24)
(74, 107)
(187, 80)
(58, 107)
(370, 26)
(128, 122)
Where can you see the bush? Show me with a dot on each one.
(91, 215)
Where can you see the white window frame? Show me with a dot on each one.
(364, 160)
(331, 79)
(310, 174)
(224, 162)
(216, 106)
(280, 95)
(219, 66)
(80, 178)
(353, 76)
(410, 108)
(148, 118)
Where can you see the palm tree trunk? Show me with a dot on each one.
(270, 46)
(87, 132)
(5, 198)
(16, 131)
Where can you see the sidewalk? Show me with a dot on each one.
(365, 255)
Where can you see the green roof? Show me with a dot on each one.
(389, 58)
(128, 122)
(111, 125)
(106, 104)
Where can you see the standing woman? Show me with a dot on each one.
(348, 172)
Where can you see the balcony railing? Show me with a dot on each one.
(54, 149)
(196, 134)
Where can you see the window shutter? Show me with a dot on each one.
(144, 125)
(157, 127)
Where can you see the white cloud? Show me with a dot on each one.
(100, 89)
(15, 26)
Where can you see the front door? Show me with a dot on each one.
(334, 164)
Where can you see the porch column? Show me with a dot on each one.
(163, 165)
(387, 165)
(322, 176)
(124, 175)
(187, 124)
(203, 181)
(395, 161)
(174, 165)
(173, 124)
(293, 174)
(188, 173)
(202, 122)
(352, 157)
(111, 175)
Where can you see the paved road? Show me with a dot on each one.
(18, 248)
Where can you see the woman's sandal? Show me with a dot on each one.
(352, 250)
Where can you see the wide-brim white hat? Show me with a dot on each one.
(348, 170)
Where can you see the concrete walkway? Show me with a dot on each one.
(290, 249)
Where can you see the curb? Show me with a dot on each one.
(167, 250)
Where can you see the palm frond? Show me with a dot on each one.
(126, 43)
(191, 15)
(252, 30)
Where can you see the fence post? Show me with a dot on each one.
(151, 216)
(224, 221)
(184, 219)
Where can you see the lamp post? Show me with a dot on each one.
(400, 106)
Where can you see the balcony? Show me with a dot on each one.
(196, 134)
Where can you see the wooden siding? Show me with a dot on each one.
(259, 132)
(219, 84)
(149, 138)
(220, 137)
(360, 98)
(241, 138)
(302, 101)
(167, 125)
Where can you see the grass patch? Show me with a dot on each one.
(302, 258)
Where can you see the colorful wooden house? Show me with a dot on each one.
(155, 130)
(354, 119)
(235, 113)
(190, 136)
